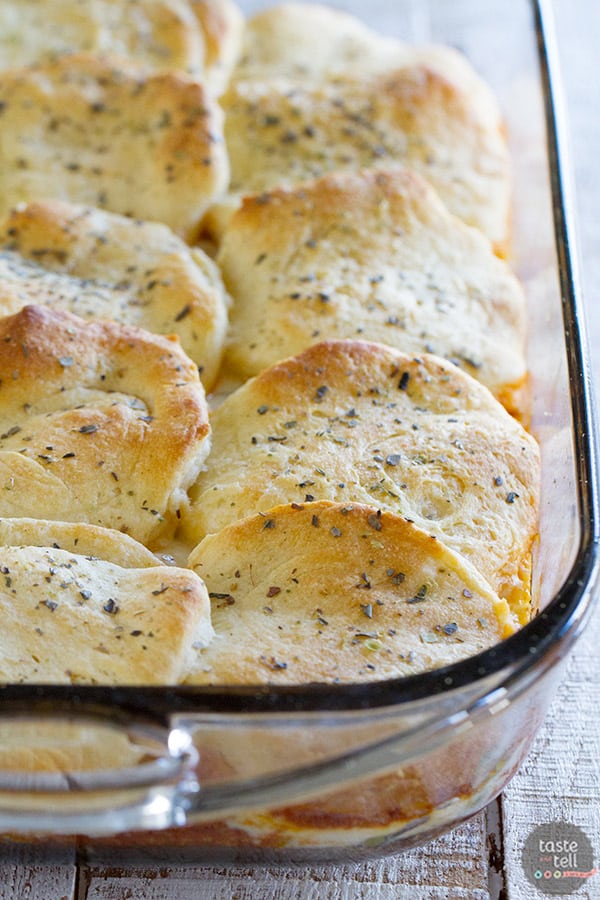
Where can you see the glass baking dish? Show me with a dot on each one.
(334, 772)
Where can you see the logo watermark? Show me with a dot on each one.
(558, 858)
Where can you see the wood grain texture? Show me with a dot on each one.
(279, 889)
(37, 874)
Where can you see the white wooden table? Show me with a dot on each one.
(561, 777)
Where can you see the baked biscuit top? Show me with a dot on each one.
(99, 423)
(199, 37)
(101, 265)
(104, 132)
(357, 422)
(71, 618)
(375, 255)
(280, 132)
(323, 592)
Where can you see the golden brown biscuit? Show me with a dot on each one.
(222, 25)
(357, 422)
(102, 265)
(372, 254)
(284, 131)
(327, 592)
(99, 423)
(311, 42)
(79, 537)
(107, 133)
(70, 618)
(200, 37)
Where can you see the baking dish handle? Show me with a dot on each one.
(98, 771)
(62, 775)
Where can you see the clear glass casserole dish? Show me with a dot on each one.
(326, 772)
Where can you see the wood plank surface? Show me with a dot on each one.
(37, 874)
